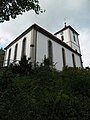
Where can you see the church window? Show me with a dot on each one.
(15, 53)
(63, 57)
(62, 38)
(50, 54)
(9, 55)
(73, 60)
(74, 37)
(24, 47)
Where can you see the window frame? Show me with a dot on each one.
(9, 56)
(63, 57)
(24, 47)
(73, 60)
(50, 51)
(15, 52)
(74, 37)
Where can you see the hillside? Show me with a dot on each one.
(45, 94)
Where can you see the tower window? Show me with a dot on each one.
(74, 37)
(9, 55)
(50, 54)
(24, 47)
(63, 57)
(62, 38)
(15, 53)
(73, 60)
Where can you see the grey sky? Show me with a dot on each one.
(76, 13)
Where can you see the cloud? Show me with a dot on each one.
(76, 13)
(85, 46)
(79, 4)
(5, 38)
(2, 41)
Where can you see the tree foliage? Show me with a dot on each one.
(12, 8)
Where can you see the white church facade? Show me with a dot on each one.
(62, 48)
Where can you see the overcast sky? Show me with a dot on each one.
(76, 13)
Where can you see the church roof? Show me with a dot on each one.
(67, 28)
(45, 32)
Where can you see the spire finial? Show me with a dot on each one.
(65, 22)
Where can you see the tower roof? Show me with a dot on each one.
(66, 27)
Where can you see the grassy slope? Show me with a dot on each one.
(45, 95)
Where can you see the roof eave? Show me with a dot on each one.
(43, 31)
(20, 36)
(65, 29)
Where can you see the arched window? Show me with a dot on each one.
(73, 60)
(50, 53)
(9, 55)
(63, 57)
(24, 47)
(62, 38)
(15, 53)
(74, 37)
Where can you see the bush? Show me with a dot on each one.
(77, 81)
(24, 66)
(46, 94)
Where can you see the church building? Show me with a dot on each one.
(62, 48)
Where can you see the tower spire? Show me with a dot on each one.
(65, 23)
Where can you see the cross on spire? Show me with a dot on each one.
(65, 22)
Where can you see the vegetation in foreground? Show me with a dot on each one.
(45, 94)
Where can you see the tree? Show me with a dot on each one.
(12, 8)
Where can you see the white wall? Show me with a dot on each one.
(33, 42)
(69, 40)
(40, 42)
(42, 49)
(75, 44)
(19, 50)
(66, 35)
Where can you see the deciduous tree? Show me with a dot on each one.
(12, 8)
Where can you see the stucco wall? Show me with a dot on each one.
(19, 50)
(69, 39)
(42, 50)
(66, 35)
(75, 44)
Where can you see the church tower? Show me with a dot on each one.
(70, 37)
